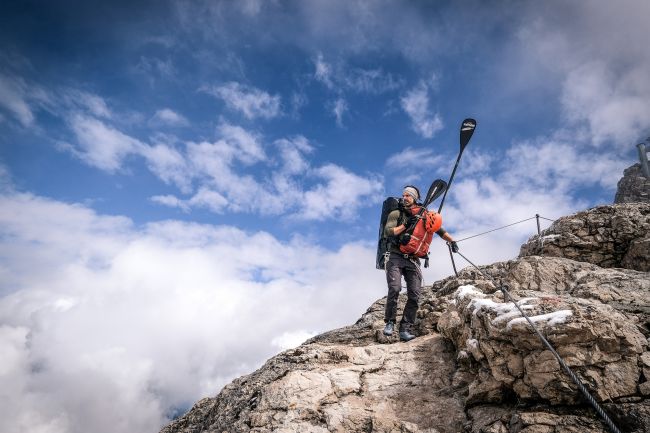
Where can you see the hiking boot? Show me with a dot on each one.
(388, 329)
(406, 335)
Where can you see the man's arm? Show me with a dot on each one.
(443, 234)
(391, 228)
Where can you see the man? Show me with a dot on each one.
(399, 265)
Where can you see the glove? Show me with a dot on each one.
(412, 221)
(454, 246)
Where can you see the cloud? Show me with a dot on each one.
(342, 78)
(416, 104)
(101, 145)
(410, 157)
(340, 108)
(86, 102)
(169, 117)
(323, 72)
(253, 103)
(292, 154)
(558, 165)
(333, 191)
(14, 98)
(169, 164)
(615, 107)
(230, 170)
(246, 145)
(341, 196)
(290, 340)
(212, 200)
(600, 67)
(170, 201)
(152, 316)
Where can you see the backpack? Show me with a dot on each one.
(384, 243)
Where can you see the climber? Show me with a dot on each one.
(408, 266)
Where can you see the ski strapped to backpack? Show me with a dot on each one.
(415, 240)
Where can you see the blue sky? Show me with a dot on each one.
(190, 187)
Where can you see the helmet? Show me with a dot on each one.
(433, 222)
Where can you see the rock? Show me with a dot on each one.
(608, 236)
(633, 186)
(401, 387)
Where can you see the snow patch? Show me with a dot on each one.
(554, 318)
(468, 291)
(500, 308)
(472, 343)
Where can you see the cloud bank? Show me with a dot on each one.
(109, 327)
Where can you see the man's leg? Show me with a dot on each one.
(394, 281)
(413, 277)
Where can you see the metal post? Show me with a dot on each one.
(539, 235)
(643, 157)
(451, 255)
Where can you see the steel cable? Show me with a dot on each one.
(493, 230)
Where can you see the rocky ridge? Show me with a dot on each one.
(476, 366)
(633, 186)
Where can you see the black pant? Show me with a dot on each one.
(396, 267)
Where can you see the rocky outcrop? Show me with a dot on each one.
(615, 236)
(633, 186)
(476, 365)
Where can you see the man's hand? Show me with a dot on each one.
(454, 246)
(413, 219)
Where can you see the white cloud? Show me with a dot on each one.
(616, 107)
(235, 168)
(209, 199)
(170, 201)
(169, 164)
(289, 340)
(246, 145)
(323, 71)
(292, 154)
(151, 316)
(340, 108)
(341, 77)
(101, 145)
(416, 104)
(411, 157)
(14, 98)
(342, 194)
(602, 68)
(167, 116)
(253, 103)
(559, 166)
(88, 102)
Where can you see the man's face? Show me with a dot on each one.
(408, 200)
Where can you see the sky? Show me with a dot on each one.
(190, 187)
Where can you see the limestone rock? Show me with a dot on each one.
(615, 236)
(402, 387)
(633, 186)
